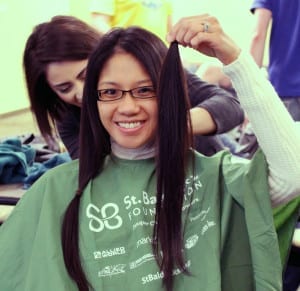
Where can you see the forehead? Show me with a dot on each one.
(58, 72)
(122, 67)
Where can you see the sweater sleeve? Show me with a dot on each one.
(68, 129)
(222, 105)
(277, 133)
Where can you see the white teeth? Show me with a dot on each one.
(129, 124)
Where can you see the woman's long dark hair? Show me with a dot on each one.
(166, 73)
(63, 38)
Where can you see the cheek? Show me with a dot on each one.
(104, 114)
(154, 113)
(64, 97)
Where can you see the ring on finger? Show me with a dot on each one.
(205, 27)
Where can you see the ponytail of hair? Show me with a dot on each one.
(70, 244)
(173, 144)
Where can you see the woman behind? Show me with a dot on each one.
(55, 61)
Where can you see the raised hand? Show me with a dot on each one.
(204, 34)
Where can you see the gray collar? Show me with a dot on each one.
(144, 152)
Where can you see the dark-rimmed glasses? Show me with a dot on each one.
(112, 94)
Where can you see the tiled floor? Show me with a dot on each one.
(17, 123)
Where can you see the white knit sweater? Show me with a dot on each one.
(277, 133)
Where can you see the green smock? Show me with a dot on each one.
(230, 242)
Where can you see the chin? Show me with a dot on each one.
(130, 143)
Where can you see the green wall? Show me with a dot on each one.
(17, 18)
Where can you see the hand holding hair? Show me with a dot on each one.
(205, 34)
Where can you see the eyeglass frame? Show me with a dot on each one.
(124, 92)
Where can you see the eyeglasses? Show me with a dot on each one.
(112, 94)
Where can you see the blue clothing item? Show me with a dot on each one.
(284, 61)
(291, 280)
(293, 106)
(17, 163)
(15, 160)
(38, 169)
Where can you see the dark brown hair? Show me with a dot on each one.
(166, 73)
(63, 38)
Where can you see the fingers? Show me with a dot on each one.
(188, 27)
(196, 32)
(204, 34)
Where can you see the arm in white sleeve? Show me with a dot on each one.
(277, 133)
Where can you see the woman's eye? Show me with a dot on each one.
(110, 92)
(145, 91)
(64, 90)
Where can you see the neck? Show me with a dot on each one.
(144, 152)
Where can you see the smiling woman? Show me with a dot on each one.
(140, 208)
(131, 120)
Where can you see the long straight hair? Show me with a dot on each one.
(165, 70)
(171, 165)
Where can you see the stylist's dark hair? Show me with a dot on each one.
(166, 73)
(63, 38)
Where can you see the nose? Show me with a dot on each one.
(128, 104)
(78, 91)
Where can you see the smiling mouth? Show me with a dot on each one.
(129, 124)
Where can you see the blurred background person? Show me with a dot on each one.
(283, 67)
(154, 15)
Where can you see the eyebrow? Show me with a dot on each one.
(82, 72)
(141, 82)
